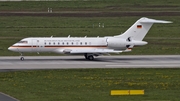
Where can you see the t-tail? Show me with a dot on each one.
(138, 30)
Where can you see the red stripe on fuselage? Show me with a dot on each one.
(59, 46)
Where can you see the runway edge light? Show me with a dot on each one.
(127, 92)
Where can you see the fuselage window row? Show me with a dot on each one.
(62, 43)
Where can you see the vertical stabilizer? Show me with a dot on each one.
(140, 28)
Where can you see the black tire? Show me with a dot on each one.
(22, 58)
(91, 57)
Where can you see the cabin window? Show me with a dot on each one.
(67, 43)
(45, 43)
(63, 43)
(85, 43)
(58, 43)
(81, 43)
(72, 43)
(49, 43)
(54, 43)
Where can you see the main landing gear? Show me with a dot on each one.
(89, 56)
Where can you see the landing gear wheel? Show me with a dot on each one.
(22, 58)
(90, 57)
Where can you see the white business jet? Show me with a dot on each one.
(88, 46)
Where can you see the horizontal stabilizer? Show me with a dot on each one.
(147, 20)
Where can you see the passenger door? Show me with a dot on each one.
(35, 45)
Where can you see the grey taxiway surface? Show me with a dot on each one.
(70, 62)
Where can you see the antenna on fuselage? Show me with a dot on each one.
(69, 36)
(52, 36)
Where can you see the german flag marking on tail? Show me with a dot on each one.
(139, 26)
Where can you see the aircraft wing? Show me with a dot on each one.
(82, 51)
(94, 51)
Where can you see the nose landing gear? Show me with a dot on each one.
(22, 58)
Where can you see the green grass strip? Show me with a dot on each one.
(91, 84)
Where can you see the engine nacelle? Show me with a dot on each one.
(118, 43)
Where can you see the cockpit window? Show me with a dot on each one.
(22, 42)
